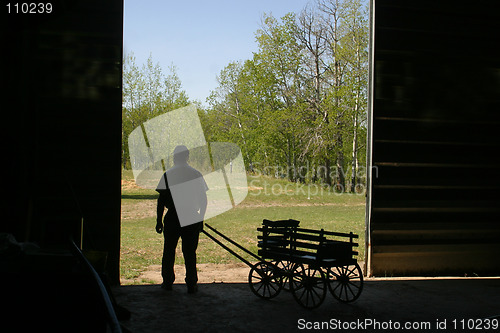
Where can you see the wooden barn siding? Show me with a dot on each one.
(435, 207)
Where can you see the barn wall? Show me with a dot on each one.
(61, 109)
(435, 116)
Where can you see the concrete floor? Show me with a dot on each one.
(383, 305)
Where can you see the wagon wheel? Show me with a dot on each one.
(308, 286)
(345, 282)
(264, 280)
(285, 268)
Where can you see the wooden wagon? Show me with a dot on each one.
(306, 262)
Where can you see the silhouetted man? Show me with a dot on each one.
(183, 192)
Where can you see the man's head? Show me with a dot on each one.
(181, 154)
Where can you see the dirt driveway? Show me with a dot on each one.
(207, 273)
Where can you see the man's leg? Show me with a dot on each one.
(190, 236)
(168, 259)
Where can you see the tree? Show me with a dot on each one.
(355, 47)
(147, 93)
(312, 34)
(301, 99)
(278, 63)
(227, 100)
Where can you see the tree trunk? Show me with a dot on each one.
(354, 167)
(339, 142)
(240, 126)
(355, 125)
(289, 172)
(328, 177)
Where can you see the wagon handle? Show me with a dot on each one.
(227, 248)
(232, 242)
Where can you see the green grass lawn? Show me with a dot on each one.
(268, 198)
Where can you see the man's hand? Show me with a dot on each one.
(159, 226)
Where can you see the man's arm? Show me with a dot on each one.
(160, 208)
(202, 201)
(203, 205)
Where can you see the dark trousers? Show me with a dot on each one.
(189, 236)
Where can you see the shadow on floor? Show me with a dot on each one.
(383, 304)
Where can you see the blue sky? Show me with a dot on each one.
(199, 37)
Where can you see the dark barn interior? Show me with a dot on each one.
(431, 208)
(61, 101)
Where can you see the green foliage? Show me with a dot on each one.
(302, 98)
(147, 93)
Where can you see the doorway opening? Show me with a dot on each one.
(295, 103)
